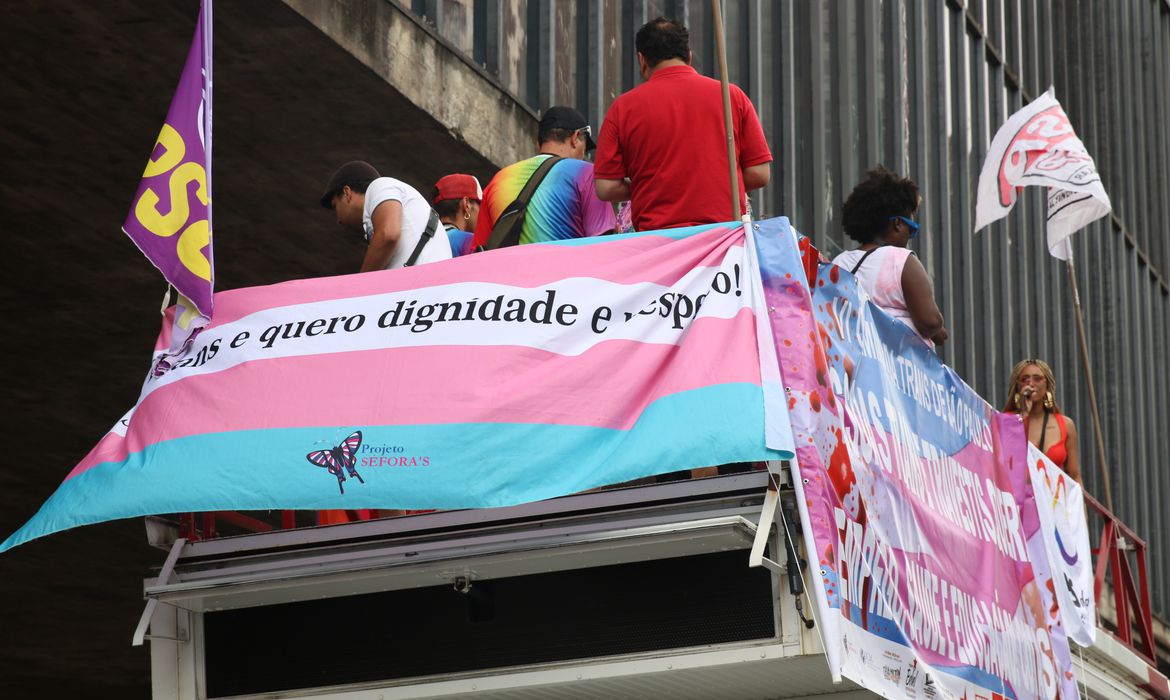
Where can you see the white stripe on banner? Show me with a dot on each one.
(567, 317)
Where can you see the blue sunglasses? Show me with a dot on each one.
(910, 224)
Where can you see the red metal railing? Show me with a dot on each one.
(1131, 598)
(192, 529)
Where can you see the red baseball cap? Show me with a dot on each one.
(457, 186)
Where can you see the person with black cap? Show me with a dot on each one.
(549, 196)
(398, 223)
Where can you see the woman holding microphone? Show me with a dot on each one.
(1032, 394)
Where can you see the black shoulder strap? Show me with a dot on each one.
(427, 234)
(1043, 431)
(868, 253)
(506, 232)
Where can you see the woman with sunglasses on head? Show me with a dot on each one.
(879, 215)
(1032, 394)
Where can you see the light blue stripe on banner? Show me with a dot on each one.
(673, 233)
(469, 465)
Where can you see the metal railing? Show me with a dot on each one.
(205, 526)
(1121, 554)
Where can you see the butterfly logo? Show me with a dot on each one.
(340, 459)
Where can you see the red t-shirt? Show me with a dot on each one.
(667, 136)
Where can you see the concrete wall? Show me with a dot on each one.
(85, 90)
(431, 73)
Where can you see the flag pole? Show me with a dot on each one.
(207, 117)
(1076, 295)
(729, 130)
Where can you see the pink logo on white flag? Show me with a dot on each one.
(1037, 146)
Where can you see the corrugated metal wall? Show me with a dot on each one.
(921, 86)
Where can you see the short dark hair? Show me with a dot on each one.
(662, 38)
(359, 186)
(447, 207)
(357, 174)
(881, 195)
(555, 134)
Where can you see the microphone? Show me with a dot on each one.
(1028, 391)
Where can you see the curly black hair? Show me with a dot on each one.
(882, 194)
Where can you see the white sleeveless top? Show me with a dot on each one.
(881, 278)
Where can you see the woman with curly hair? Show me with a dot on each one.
(1032, 394)
(879, 215)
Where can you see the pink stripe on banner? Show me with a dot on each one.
(445, 384)
(625, 261)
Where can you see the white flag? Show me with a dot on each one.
(1060, 505)
(1037, 146)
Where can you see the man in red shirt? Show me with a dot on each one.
(662, 145)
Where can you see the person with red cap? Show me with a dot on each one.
(398, 222)
(456, 198)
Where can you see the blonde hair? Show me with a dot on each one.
(1012, 404)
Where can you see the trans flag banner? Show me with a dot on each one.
(170, 217)
(487, 380)
(917, 503)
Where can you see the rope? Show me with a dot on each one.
(820, 626)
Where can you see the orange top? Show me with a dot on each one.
(1057, 451)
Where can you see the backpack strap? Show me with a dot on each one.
(505, 231)
(868, 253)
(427, 234)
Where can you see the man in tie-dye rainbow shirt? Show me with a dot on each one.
(565, 205)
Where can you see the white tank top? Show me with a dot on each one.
(881, 278)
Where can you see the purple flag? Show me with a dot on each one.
(170, 219)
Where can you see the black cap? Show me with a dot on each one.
(566, 118)
(355, 172)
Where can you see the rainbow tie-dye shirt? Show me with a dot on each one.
(565, 204)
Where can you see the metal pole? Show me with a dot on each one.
(732, 165)
(1072, 280)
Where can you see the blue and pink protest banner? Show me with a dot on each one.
(918, 505)
(542, 370)
(170, 218)
(487, 380)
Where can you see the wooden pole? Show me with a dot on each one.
(1103, 468)
(729, 130)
